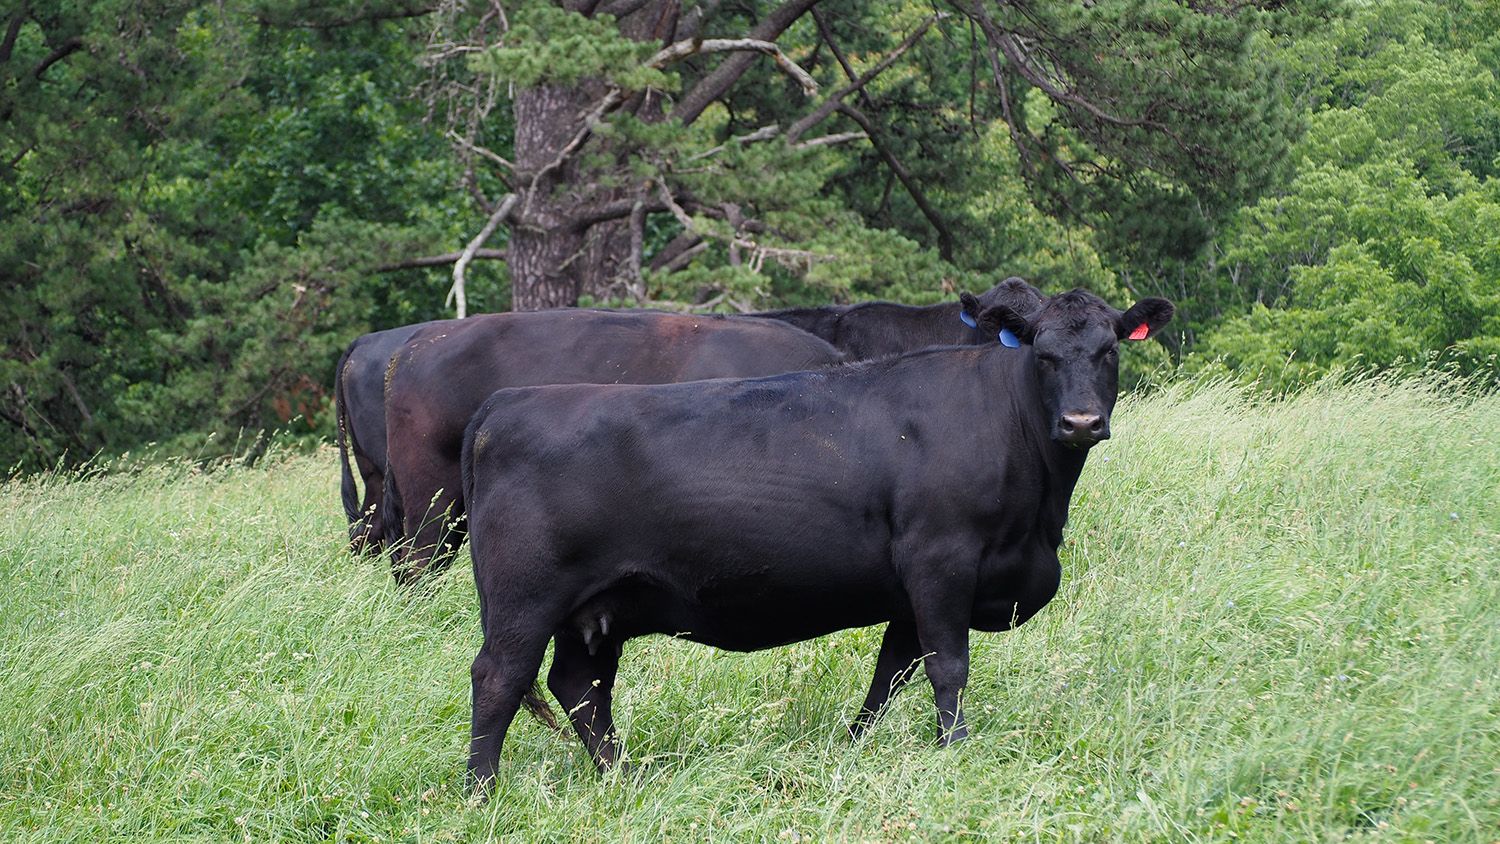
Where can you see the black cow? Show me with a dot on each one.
(869, 330)
(359, 406)
(928, 490)
(443, 373)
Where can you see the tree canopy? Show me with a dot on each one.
(200, 206)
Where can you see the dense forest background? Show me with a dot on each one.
(201, 204)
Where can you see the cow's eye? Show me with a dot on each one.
(1111, 353)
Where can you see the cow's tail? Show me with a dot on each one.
(341, 437)
(391, 512)
(532, 700)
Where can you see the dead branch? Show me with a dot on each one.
(683, 242)
(681, 259)
(677, 210)
(457, 291)
(682, 49)
(764, 133)
(441, 260)
(827, 140)
(713, 86)
(487, 153)
(635, 284)
(828, 106)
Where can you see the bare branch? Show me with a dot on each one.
(487, 153)
(717, 83)
(764, 133)
(615, 210)
(827, 140)
(682, 258)
(683, 49)
(635, 284)
(72, 390)
(457, 291)
(677, 210)
(441, 260)
(831, 104)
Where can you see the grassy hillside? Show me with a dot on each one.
(1279, 621)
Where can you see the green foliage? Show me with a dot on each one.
(1279, 621)
(555, 46)
(1172, 114)
(195, 204)
(1382, 251)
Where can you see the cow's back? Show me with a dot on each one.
(442, 375)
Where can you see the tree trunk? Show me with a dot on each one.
(553, 261)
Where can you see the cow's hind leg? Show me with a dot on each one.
(502, 674)
(432, 522)
(900, 654)
(366, 535)
(582, 679)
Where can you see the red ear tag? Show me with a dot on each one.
(1140, 332)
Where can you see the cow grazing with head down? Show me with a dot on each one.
(928, 490)
(359, 407)
(441, 375)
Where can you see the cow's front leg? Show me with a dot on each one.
(900, 653)
(942, 601)
(947, 664)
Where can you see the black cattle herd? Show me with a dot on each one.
(741, 481)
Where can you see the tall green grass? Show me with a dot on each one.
(1280, 620)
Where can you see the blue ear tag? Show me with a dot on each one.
(968, 320)
(1009, 339)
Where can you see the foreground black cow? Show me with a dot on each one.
(928, 490)
(359, 408)
(439, 377)
(444, 372)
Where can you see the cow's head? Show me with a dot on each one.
(1073, 340)
(1013, 292)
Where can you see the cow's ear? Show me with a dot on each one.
(968, 309)
(1000, 320)
(1144, 318)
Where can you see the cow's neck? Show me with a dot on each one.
(1017, 409)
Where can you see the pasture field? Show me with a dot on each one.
(1279, 621)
